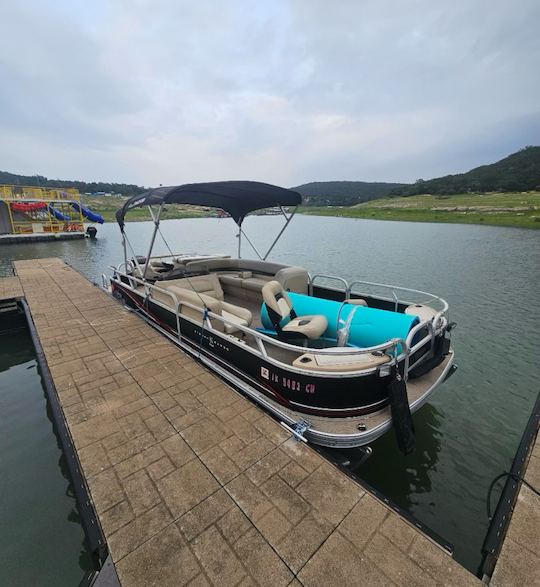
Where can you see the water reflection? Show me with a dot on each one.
(408, 476)
(41, 538)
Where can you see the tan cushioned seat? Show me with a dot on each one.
(199, 301)
(208, 291)
(204, 284)
(233, 279)
(277, 300)
(255, 283)
(310, 326)
(293, 279)
(237, 315)
(236, 273)
(254, 265)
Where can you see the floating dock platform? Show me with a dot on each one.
(191, 483)
(6, 239)
(35, 214)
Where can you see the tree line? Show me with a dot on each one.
(126, 189)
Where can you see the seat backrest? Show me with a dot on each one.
(207, 285)
(277, 301)
(199, 300)
(254, 265)
(293, 279)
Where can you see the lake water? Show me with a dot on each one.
(469, 431)
(41, 538)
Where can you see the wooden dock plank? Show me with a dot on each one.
(193, 484)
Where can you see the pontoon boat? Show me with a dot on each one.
(338, 365)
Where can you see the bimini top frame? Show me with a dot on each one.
(237, 198)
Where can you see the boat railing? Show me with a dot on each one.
(427, 298)
(430, 337)
(393, 290)
(396, 347)
(319, 276)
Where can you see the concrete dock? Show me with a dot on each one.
(192, 483)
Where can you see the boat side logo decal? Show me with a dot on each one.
(265, 373)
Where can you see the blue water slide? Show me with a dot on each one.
(369, 326)
(87, 213)
(58, 215)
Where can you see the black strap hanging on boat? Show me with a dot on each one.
(401, 413)
(204, 318)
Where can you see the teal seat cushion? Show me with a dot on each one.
(369, 326)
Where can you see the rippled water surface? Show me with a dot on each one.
(490, 276)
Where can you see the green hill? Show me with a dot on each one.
(343, 193)
(125, 189)
(519, 172)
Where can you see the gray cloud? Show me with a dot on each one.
(171, 91)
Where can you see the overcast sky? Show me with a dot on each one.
(174, 91)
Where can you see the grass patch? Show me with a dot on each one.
(518, 209)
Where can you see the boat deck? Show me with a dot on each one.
(191, 482)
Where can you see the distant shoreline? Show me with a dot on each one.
(447, 218)
(519, 210)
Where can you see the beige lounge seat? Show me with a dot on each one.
(254, 284)
(280, 307)
(207, 289)
(245, 278)
(198, 300)
(237, 315)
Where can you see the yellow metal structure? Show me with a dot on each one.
(34, 220)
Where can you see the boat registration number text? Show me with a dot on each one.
(287, 382)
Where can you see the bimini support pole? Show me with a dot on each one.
(239, 237)
(251, 244)
(288, 219)
(159, 230)
(152, 240)
(126, 241)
